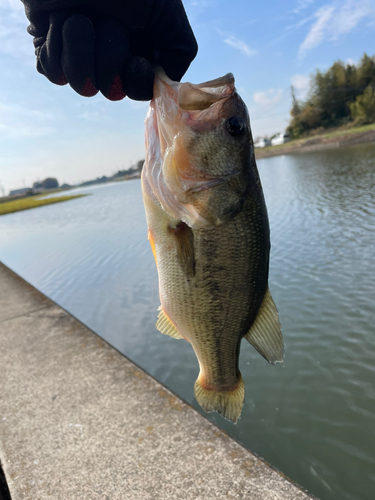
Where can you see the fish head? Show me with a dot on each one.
(199, 148)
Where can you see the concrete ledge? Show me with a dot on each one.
(80, 421)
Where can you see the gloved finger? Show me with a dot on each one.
(49, 52)
(39, 26)
(112, 50)
(78, 55)
(138, 79)
(174, 44)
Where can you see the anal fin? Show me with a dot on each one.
(165, 325)
(265, 333)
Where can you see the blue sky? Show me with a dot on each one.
(47, 130)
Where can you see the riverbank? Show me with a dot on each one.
(79, 421)
(10, 207)
(331, 140)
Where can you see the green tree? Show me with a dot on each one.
(308, 119)
(363, 109)
(366, 72)
(329, 94)
(337, 96)
(50, 183)
(296, 109)
(351, 83)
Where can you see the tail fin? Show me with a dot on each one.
(228, 403)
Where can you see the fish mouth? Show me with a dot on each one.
(197, 97)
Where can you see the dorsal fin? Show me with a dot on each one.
(165, 325)
(184, 239)
(265, 333)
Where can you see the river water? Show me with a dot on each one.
(312, 417)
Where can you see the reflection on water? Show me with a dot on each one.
(312, 417)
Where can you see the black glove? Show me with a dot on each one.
(107, 45)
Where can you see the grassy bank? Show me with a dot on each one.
(33, 202)
(341, 135)
(5, 199)
(351, 130)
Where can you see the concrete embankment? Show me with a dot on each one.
(79, 421)
(317, 144)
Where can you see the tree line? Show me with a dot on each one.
(344, 94)
(137, 168)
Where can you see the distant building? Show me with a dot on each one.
(280, 139)
(262, 143)
(16, 192)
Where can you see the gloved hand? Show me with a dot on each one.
(107, 45)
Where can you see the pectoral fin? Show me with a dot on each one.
(165, 325)
(265, 333)
(184, 239)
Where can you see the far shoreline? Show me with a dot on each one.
(333, 140)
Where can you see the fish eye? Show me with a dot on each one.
(236, 126)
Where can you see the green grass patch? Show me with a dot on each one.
(333, 133)
(352, 130)
(33, 202)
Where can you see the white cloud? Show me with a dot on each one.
(301, 84)
(351, 13)
(318, 31)
(299, 24)
(14, 5)
(234, 42)
(334, 20)
(138, 105)
(14, 40)
(351, 61)
(267, 97)
(302, 4)
(17, 121)
(89, 115)
(199, 3)
(269, 125)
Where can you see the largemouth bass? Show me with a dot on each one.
(209, 233)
